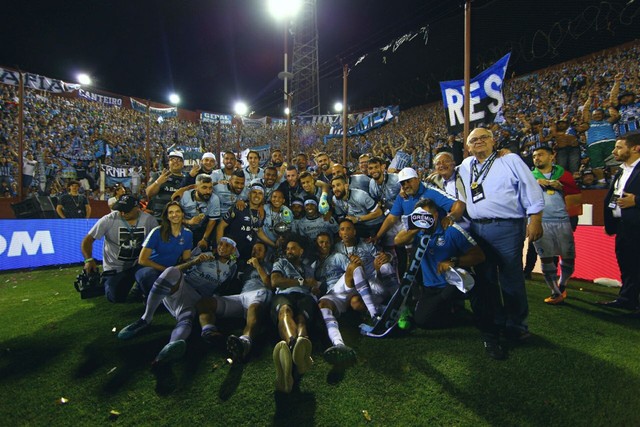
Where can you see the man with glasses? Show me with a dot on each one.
(505, 204)
(163, 184)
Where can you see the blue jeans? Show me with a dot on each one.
(502, 241)
(145, 277)
(118, 285)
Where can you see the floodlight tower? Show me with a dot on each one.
(306, 97)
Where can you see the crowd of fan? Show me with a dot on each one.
(67, 138)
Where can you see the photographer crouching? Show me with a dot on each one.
(124, 231)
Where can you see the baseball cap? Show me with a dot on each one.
(126, 203)
(176, 154)
(407, 173)
(208, 156)
(460, 278)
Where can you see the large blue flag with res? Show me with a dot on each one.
(486, 98)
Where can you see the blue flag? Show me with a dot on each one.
(486, 98)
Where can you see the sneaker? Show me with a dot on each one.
(494, 350)
(283, 363)
(132, 330)
(212, 336)
(340, 356)
(554, 299)
(172, 351)
(237, 348)
(302, 355)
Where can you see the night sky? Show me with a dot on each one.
(215, 52)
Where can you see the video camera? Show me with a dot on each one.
(89, 285)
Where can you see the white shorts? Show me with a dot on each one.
(340, 295)
(237, 305)
(556, 240)
(184, 299)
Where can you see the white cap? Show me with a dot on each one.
(407, 173)
(176, 154)
(460, 278)
(208, 156)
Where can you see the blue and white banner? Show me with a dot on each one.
(323, 119)
(485, 97)
(162, 112)
(114, 175)
(30, 243)
(224, 119)
(34, 81)
(373, 120)
(108, 100)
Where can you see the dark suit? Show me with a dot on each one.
(627, 231)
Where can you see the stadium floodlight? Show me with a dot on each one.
(282, 9)
(174, 98)
(337, 107)
(287, 111)
(83, 79)
(240, 108)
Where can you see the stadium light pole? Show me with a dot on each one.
(285, 10)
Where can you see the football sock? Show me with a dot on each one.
(160, 289)
(567, 267)
(551, 276)
(332, 326)
(182, 329)
(362, 286)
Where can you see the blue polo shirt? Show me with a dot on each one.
(405, 206)
(443, 245)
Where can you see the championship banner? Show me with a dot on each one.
(162, 112)
(34, 81)
(107, 100)
(224, 119)
(115, 175)
(485, 97)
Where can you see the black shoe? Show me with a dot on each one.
(494, 350)
(618, 303)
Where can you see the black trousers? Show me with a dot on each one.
(627, 249)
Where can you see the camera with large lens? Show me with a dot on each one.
(89, 285)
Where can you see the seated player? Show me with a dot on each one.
(376, 270)
(292, 308)
(336, 273)
(179, 289)
(255, 293)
